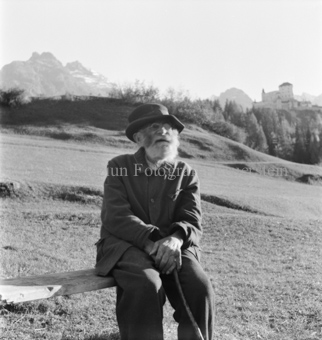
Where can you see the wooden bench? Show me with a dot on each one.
(37, 287)
(31, 288)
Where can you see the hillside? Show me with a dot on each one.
(261, 244)
(293, 135)
(102, 121)
(262, 231)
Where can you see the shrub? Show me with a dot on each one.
(135, 93)
(190, 111)
(228, 130)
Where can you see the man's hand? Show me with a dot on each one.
(167, 253)
(148, 246)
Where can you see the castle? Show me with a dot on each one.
(281, 99)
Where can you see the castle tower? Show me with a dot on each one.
(286, 91)
(263, 95)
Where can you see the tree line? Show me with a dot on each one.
(291, 135)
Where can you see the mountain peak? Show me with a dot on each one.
(76, 66)
(234, 90)
(43, 74)
(236, 95)
(35, 55)
(43, 56)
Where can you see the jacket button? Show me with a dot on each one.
(152, 200)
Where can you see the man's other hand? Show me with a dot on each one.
(167, 253)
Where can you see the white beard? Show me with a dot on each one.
(161, 152)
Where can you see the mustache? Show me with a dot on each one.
(164, 139)
(149, 139)
(171, 138)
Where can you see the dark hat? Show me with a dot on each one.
(147, 114)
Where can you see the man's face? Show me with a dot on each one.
(160, 141)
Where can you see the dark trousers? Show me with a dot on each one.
(141, 296)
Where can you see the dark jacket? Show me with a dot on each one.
(140, 203)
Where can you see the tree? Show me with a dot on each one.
(261, 140)
(314, 149)
(255, 135)
(233, 113)
(217, 112)
(284, 146)
(228, 110)
(11, 97)
(269, 121)
(299, 153)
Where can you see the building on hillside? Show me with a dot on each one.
(306, 104)
(281, 99)
(286, 91)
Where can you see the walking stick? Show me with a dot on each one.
(187, 308)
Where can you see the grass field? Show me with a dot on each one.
(262, 244)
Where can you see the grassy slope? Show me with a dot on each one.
(102, 121)
(58, 162)
(265, 270)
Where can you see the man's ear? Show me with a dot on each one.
(137, 137)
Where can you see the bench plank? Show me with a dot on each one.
(31, 288)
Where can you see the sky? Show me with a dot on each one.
(201, 46)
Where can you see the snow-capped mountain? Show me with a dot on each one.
(44, 75)
(306, 97)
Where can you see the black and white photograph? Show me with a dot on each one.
(161, 169)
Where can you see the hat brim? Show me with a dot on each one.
(139, 123)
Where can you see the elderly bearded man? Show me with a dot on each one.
(151, 225)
